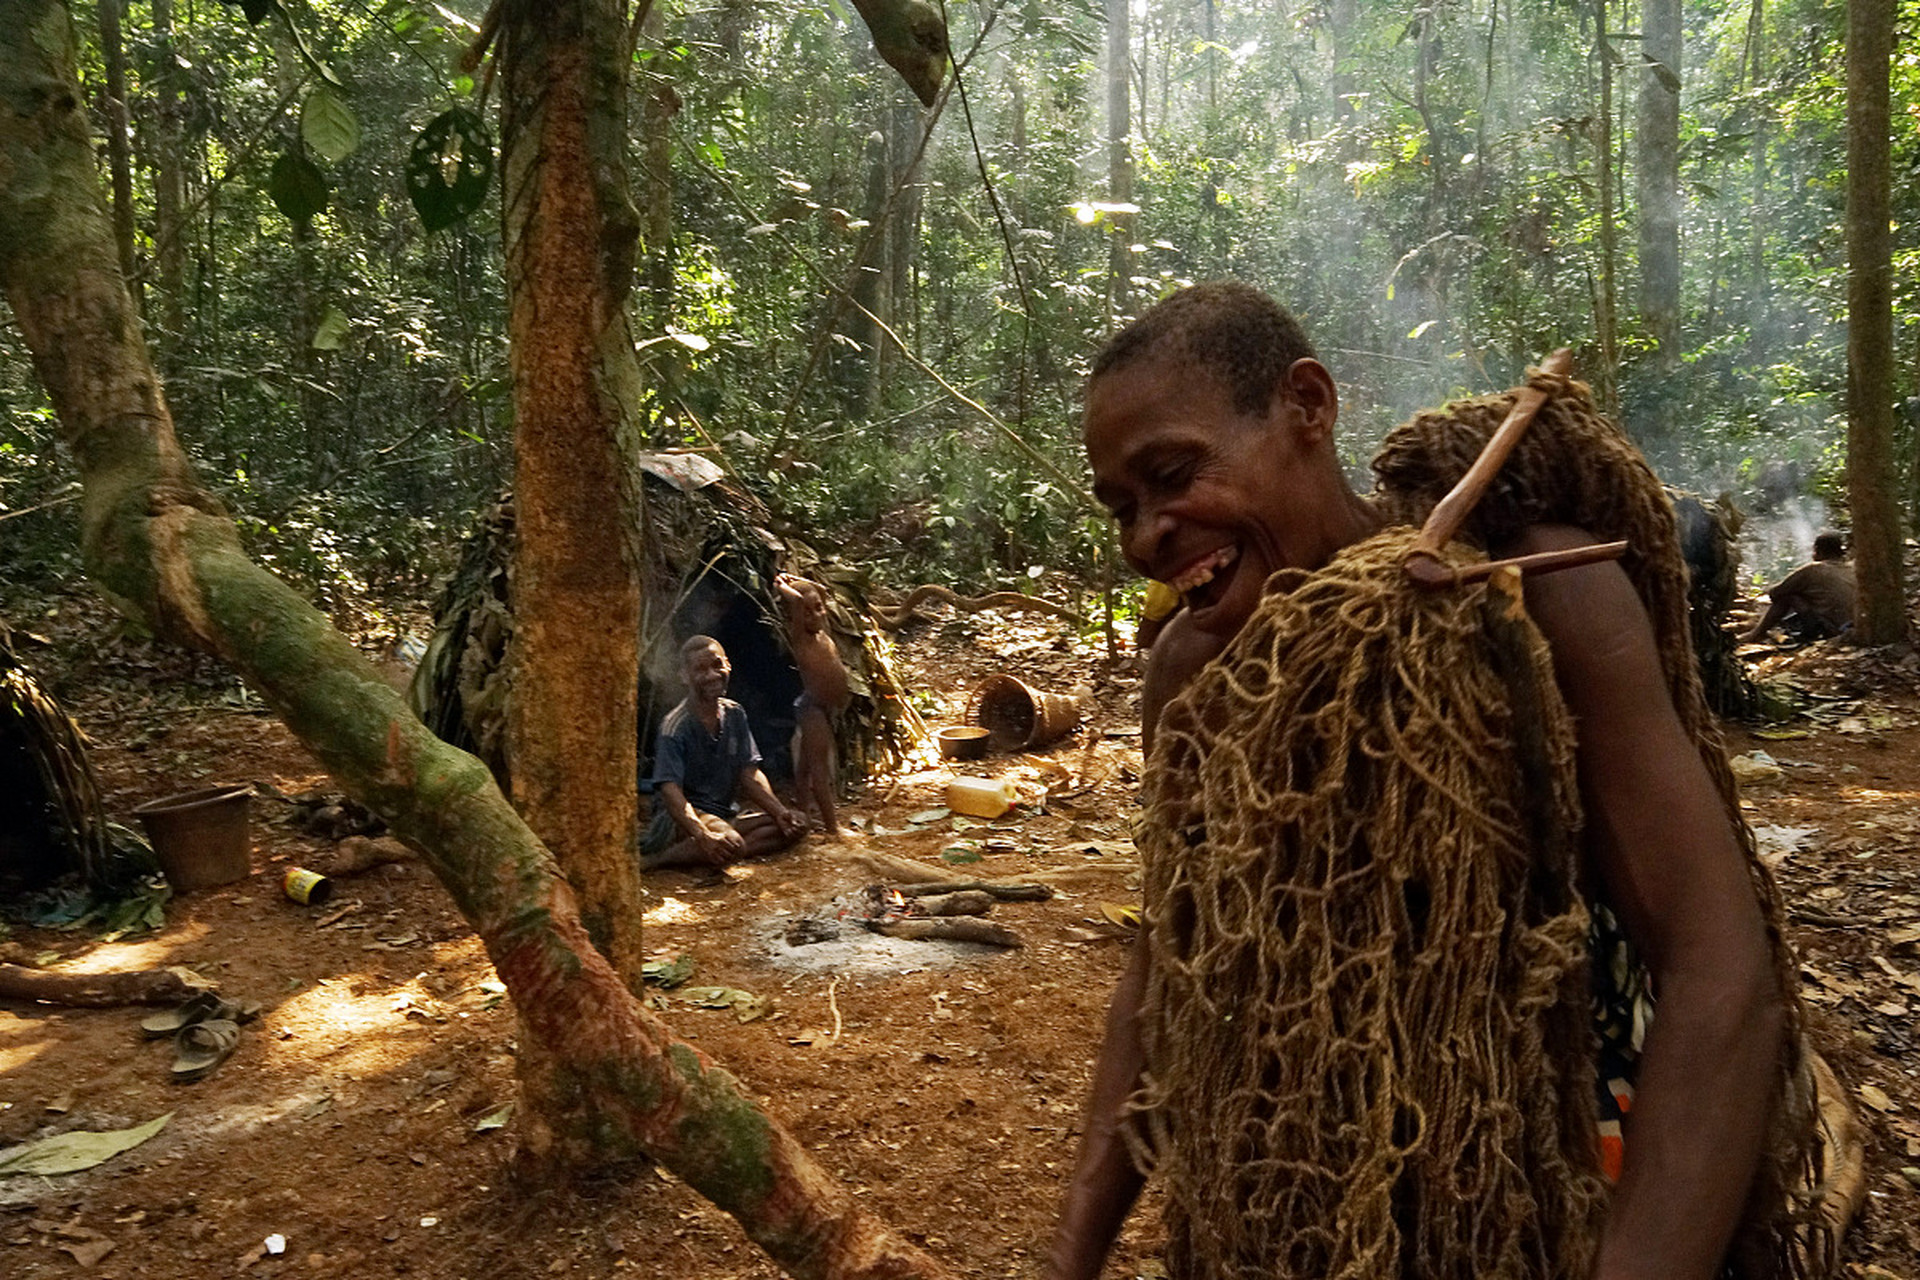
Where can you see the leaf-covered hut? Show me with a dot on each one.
(711, 557)
(51, 821)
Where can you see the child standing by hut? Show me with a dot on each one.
(825, 694)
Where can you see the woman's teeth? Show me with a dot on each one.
(1202, 572)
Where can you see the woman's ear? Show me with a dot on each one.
(1314, 398)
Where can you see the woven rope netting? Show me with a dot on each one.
(1368, 1036)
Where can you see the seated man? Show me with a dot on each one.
(1815, 601)
(704, 761)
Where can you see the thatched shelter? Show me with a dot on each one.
(712, 557)
(52, 825)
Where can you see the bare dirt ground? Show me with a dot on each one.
(358, 1119)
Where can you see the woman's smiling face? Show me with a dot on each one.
(1210, 500)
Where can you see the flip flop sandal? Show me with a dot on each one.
(202, 1047)
(198, 1007)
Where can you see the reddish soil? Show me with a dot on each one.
(943, 1088)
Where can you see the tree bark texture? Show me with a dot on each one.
(572, 749)
(1872, 475)
(1658, 175)
(165, 551)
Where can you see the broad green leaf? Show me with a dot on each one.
(298, 189)
(329, 125)
(72, 1152)
(332, 331)
(449, 168)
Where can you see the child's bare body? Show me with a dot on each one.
(825, 694)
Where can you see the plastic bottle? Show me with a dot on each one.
(981, 797)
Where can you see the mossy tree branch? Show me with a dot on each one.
(166, 552)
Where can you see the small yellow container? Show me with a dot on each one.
(981, 797)
(307, 887)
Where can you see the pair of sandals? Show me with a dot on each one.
(205, 1031)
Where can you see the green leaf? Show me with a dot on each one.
(668, 973)
(495, 1119)
(449, 168)
(746, 1006)
(298, 189)
(72, 1152)
(332, 331)
(329, 125)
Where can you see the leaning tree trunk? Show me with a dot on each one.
(570, 236)
(1872, 483)
(166, 552)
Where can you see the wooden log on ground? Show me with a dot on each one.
(962, 902)
(911, 876)
(999, 890)
(958, 929)
(95, 990)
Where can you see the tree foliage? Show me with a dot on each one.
(1421, 185)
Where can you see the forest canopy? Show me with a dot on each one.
(1443, 194)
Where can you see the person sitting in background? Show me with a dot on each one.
(1815, 601)
(705, 761)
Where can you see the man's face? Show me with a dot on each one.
(1206, 497)
(707, 671)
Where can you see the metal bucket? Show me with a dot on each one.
(1016, 715)
(200, 836)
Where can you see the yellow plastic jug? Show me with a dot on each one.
(981, 797)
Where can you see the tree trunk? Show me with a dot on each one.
(165, 551)
(169, 188)
(1658, 176)
(873, 276)
(660, 103)
(113, 52)
(1872, 477)
(906, 123)
(1606, 321)
(1119, 161)
(570, 236)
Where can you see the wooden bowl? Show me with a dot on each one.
(962, 742)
